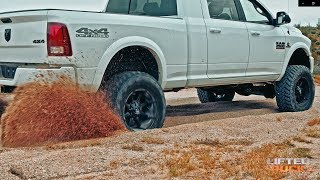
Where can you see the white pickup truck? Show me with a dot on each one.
(137, 49)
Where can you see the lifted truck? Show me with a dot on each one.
(137, 49)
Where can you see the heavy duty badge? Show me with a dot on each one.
(7, 35)
(280, 45)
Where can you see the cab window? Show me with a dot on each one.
(254, 13)
(223, 9)
(143, 7)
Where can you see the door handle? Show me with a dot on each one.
(215, 30)
(255, 33)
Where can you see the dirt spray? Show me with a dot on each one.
(41, 114)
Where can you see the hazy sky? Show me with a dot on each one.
(303, 15)
(86, 5)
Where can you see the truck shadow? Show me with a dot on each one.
(195, 113)
(218, 107)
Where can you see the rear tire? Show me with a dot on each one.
(206, 96)
(296, 91)
(138, 99)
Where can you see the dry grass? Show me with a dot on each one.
(151, 140)
(279, 118)
(312, 132)
(217, 143)
(231, 168)
(133, 147)
(302, 153)
(206, 161)
(209, 142)
(120, 162)
(182, 162)
(240, 142)
(114, 164)
(288, 143)
(255, 161)
(77, 144)
(317, 79)
(50, 147)
(165, 130)
(314, 122)
(302, 140)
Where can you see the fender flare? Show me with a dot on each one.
(127, 42)
(296, 46)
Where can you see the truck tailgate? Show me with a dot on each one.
(23, 37)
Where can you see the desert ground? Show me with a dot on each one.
(199, 141)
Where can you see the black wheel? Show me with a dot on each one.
(206, 96)
(296, 91)
(138, 99)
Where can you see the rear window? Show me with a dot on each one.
(143, 7)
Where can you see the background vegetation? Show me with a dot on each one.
(314, 34)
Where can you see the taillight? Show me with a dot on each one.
(58, 40)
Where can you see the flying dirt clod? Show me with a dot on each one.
(42, 114)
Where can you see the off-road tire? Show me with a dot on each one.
(121, 87)
(289, 92)
(206, 96)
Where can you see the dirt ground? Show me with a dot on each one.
(199, 141)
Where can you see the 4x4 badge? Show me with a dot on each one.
(7, 35)
(93, 33)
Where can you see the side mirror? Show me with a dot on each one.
(282, 18)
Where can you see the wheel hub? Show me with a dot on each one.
(139, 110)
(135, 107)
(299, 90)
(302, 90)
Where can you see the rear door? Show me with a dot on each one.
(267, 42)
(228, 41)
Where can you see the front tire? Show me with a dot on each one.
(296, 91)
(138, 99)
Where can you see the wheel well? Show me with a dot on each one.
(132, 58)
(300, 57)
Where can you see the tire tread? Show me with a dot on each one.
(284, 92)
(117, 85)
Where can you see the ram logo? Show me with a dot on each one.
(280, 45)
(7, 35)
